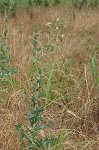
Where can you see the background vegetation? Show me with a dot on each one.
(12, 5)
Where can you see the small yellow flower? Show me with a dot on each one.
(57, 28)
(29, 36)
(57, 20)
(48, 24)
(62, 35)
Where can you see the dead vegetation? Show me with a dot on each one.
(73, 101)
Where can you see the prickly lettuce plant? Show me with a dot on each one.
(55, 33)
(34, 133)
(5, 69)
(6, 80)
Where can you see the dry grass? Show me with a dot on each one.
(73, 103)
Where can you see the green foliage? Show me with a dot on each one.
(46, 3)
(35, 49)
(75, 3)
(30, 2)
(57, 1)
(5, 70)
(8, 6)
(78, 3)
(81, 3)
(47, 91)
(94, 64)
(34, 134)
(38, 2)
(6, 80)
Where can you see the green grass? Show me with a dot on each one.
(94, 64)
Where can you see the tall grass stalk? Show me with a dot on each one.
(94, 64)
(47, 91)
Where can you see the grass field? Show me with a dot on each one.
(64, 43)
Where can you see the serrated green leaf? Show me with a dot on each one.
(39, 95)
(18, 127)
(34, 100)
(37, 127)
(23, 135)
